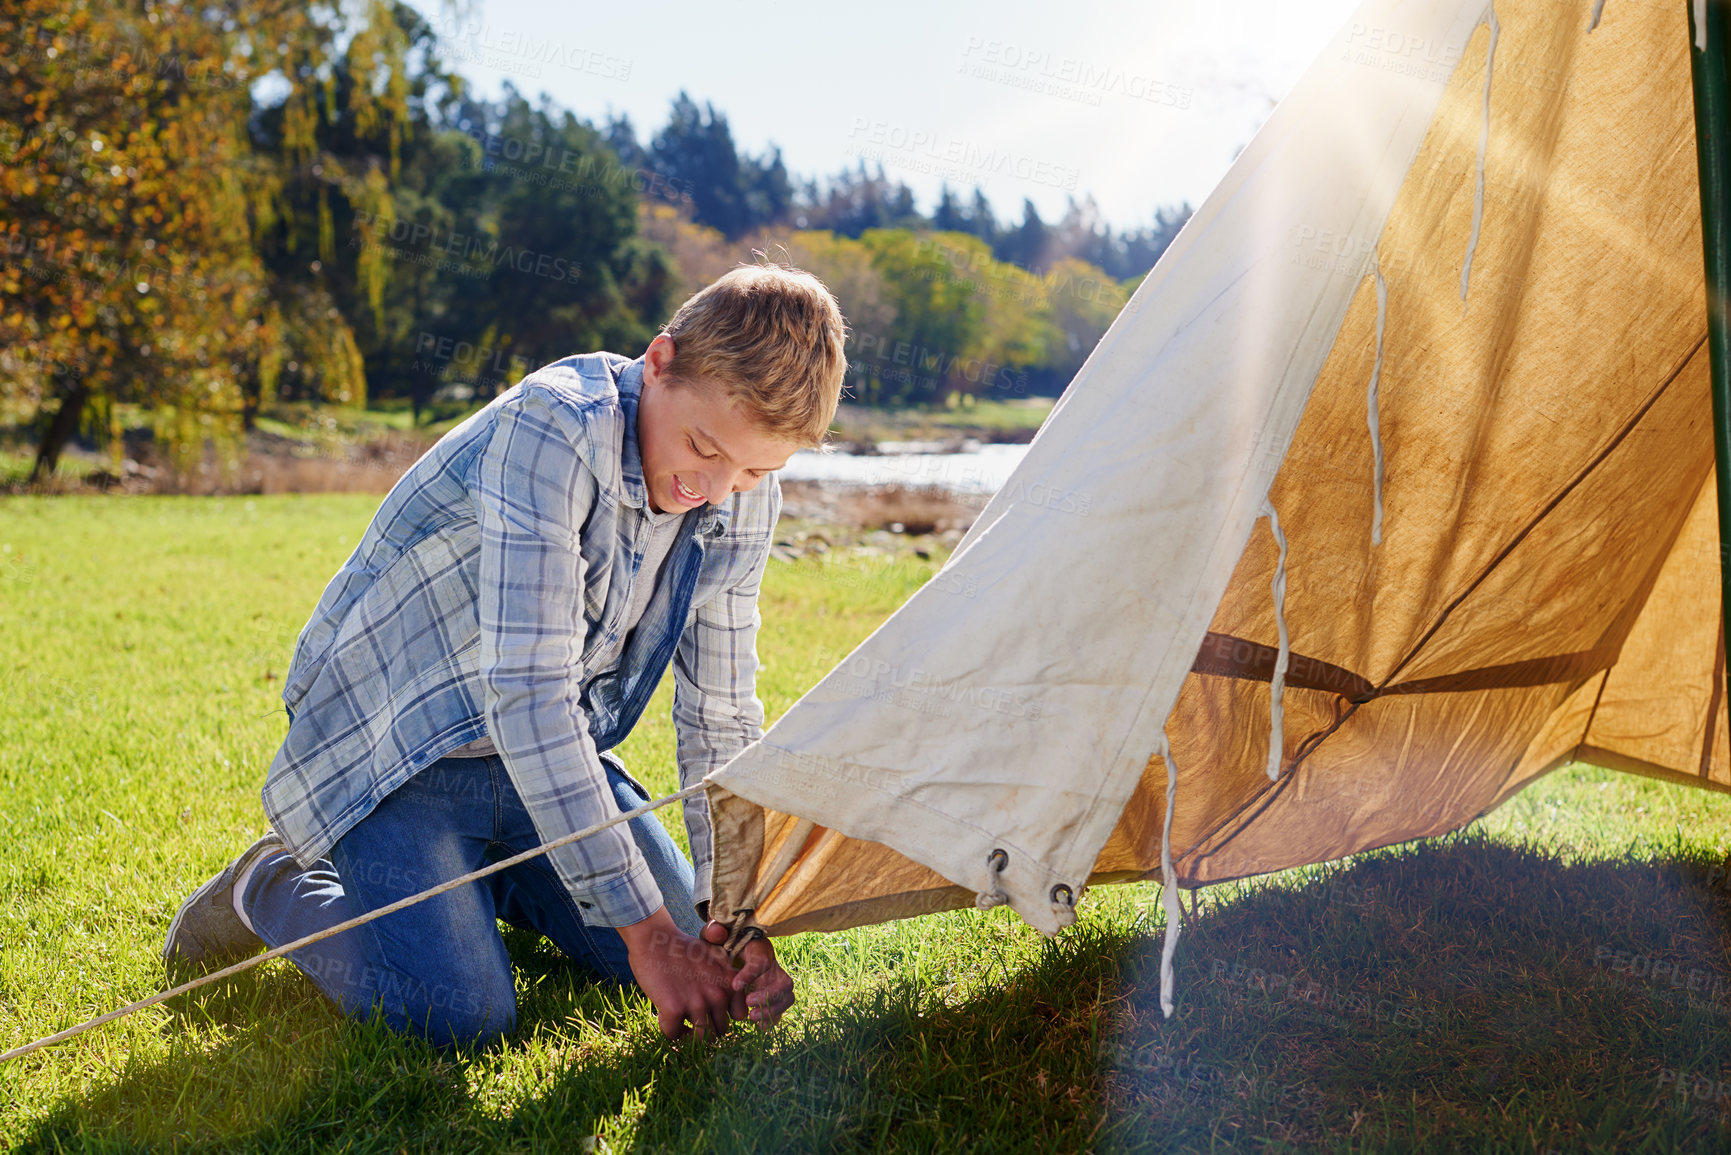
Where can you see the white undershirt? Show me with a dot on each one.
(661, 532)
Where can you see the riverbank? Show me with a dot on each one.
(881, 521)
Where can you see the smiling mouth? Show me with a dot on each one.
(686, 495)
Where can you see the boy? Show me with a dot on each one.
(502, 624)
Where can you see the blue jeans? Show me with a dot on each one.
(439, 968)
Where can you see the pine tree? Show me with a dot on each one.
(948, 217)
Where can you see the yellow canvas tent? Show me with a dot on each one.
(1445, 318)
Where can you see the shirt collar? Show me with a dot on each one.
(630, 386)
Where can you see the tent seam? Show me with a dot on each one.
(1718, 676)
(1550, 506)
(1311, 743)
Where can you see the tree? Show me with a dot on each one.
(131, 192)
(981, 221)
(351, 171)
(1081, 234)
(948, 216)
(938, 320)
(847, 268)
(1082, 300)
(698, 253)
(1027, 244)
(564, 272)
(769, 194)
(695, 153)
(856, 200)
(505, 238)
(622, 139)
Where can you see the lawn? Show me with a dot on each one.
(1555, 978)
(987, 420)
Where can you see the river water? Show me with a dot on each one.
(981, 471)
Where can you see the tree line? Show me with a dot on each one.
(204, 209)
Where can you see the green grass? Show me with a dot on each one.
(15, 465)
(984, 419)
(306, 420)
(1462, 994)
(996, 414)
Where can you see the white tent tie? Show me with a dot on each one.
(1484, 143)
(1282, 655)
(1373, 414)
(1168, 882)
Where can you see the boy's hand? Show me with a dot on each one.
(686, 978)
(770, 987)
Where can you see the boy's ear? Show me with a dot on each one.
(657, 358)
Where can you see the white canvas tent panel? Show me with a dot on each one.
(1546, 582)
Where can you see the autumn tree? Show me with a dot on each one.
(1082, 301)
(938, 311)
(361, 161)
(131, 198)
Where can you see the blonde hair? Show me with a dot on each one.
(773, 337)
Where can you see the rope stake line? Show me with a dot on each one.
(278, 952)
(1168, 882)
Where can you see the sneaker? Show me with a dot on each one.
(206, 932)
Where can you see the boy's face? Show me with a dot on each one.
(697, 444)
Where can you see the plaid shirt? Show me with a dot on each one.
(492, 574)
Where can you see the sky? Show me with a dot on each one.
(1138, 104)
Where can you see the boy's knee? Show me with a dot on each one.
(452, 1012)
(468, 1012)
(457, 1018)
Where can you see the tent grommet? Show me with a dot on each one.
(1063, 896)
(996, 862)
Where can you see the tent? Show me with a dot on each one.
(1391, 489)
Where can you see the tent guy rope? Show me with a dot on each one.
(1283, 654)
(1168, 883)
(278, 952)
(1484, 144)
(1372, 415)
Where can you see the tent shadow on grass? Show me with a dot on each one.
(1457, 994)
(1461, 994)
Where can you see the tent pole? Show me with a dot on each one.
(1712, 81)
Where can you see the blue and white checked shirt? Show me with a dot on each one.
(492, 574)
